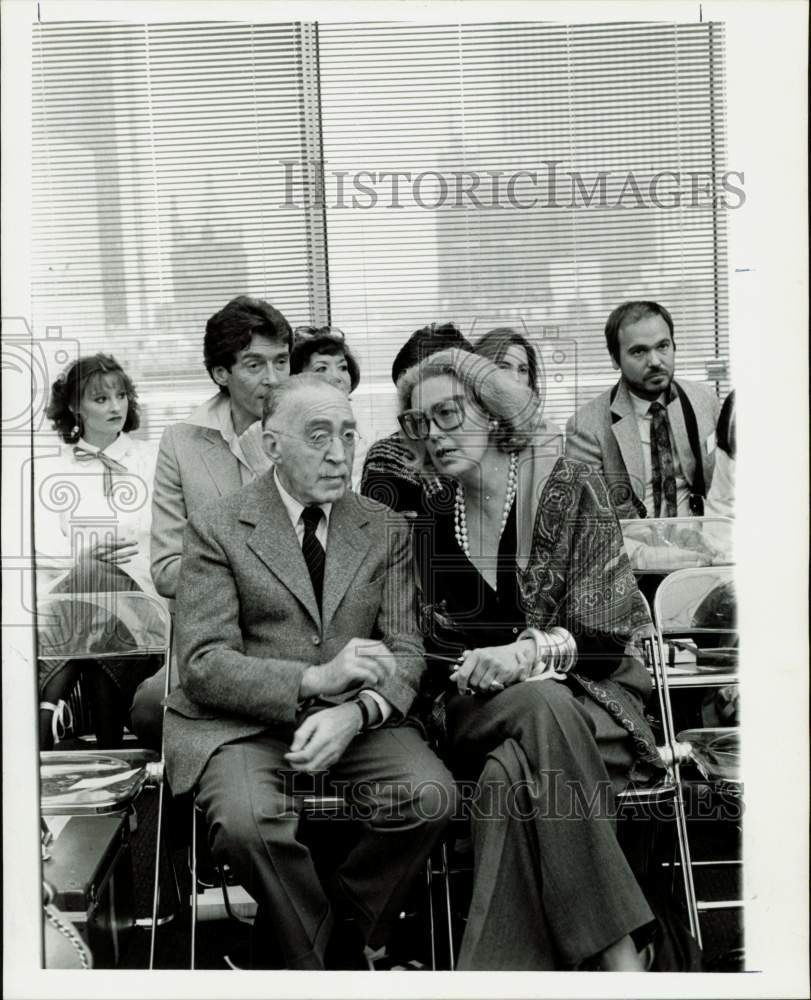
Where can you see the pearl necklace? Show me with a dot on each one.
(460, 517)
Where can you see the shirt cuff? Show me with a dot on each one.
(382, 704)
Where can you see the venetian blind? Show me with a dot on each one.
(581, 107)
(159, 190)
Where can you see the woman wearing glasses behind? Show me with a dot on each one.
(512, 352)
(324, 352)
(531, 606)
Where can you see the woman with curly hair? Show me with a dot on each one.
(91, 530)
(530, 602)
(325, 352)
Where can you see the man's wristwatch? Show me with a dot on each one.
(364, 712)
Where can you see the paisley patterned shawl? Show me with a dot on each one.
(578, 576)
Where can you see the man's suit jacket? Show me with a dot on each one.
(195, 465)
(605, 435)
(248, 624)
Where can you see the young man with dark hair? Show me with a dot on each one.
(215, 451)
(652, 437)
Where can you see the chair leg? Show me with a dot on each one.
(193, 887)
(156, 883)
(429, 882)
(686, 862)
(448, 908)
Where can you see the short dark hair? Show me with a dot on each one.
(425, 342)
(632, 312)
(68, 389)
(229, 331)
(495, 344)
(323, 343)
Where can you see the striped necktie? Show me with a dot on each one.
(661, 458)
(313, 550)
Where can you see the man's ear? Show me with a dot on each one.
(220, 374)
(271, 444)
(614, 363)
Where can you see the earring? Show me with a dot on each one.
(493, 425)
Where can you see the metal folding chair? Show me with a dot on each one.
(315, 806)
(696, 647)
(115, 625)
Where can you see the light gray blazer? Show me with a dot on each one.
(195, 465)
(248, 624)
(605, 435)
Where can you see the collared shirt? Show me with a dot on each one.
(72, 508)
(247, 448)
(644, 422)
(294, 509)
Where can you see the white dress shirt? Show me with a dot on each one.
(644, 422)
(246, 448)
(71, 509)
(294, 509)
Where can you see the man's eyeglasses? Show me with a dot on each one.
(302, 333)
(320, 440)
(447, 415)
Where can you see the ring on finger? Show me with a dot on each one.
(496, 686)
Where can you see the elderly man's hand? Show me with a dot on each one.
(321, 739)
(361, 663)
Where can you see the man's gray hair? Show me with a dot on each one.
(277, 393)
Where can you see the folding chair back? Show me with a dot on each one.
(118, 624)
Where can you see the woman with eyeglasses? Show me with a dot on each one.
(324, 352)
(512, 352)
(530, 603)
(91, 533)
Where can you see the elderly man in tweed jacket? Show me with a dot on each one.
(299, 653)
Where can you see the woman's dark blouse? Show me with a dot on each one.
(460, 609)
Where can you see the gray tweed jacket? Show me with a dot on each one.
(248, 624)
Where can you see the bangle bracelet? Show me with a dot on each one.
(364, 711)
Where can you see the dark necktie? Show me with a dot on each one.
(661, 458)
(110, 465)
(313, 551)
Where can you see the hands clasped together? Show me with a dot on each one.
(321, 738)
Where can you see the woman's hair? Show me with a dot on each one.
(230, 330)
(323, 343)
(423, 343)
(515, 407)
(68, 390)
(495, 344)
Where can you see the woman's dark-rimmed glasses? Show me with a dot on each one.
(447, 415)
